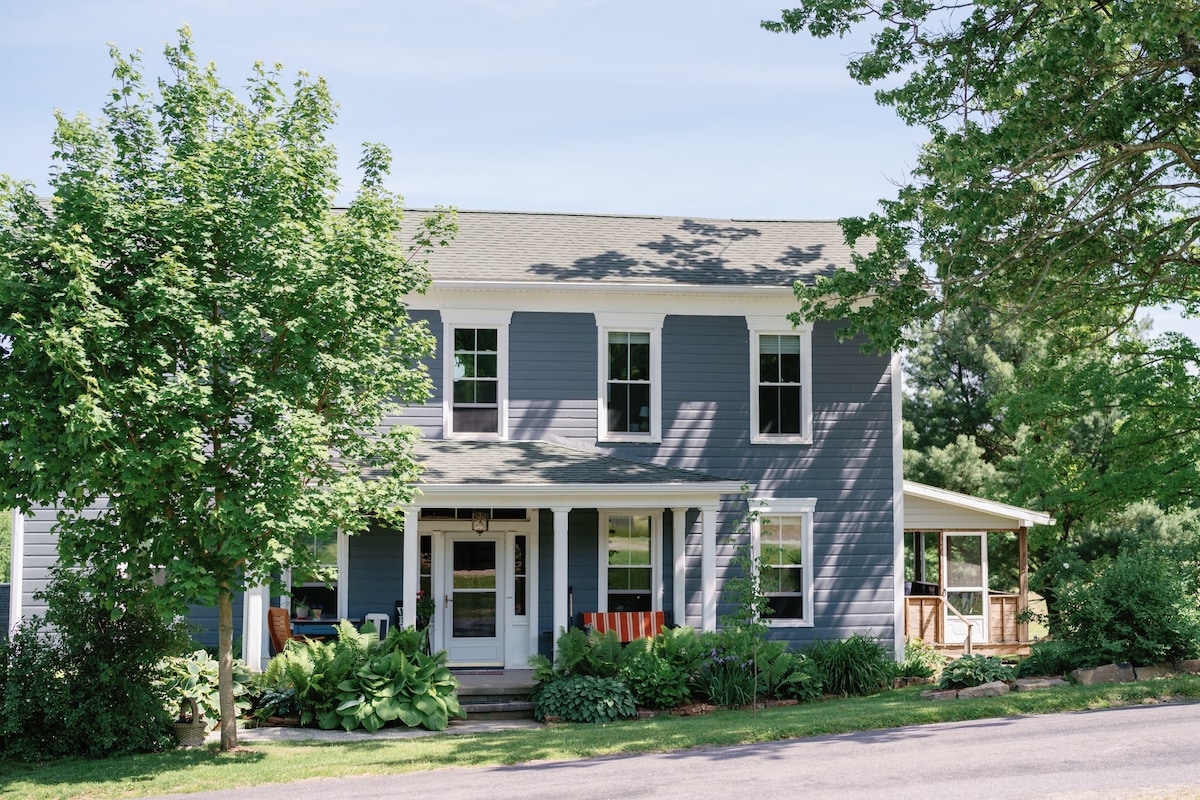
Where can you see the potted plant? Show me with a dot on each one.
(425, 608)
(301, 608)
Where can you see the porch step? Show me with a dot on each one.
(502, 695)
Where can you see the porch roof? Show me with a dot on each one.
(501, 473)
(928, 508)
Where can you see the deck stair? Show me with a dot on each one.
(496, 694)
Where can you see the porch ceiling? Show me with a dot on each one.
(928, 508)
(502, 473)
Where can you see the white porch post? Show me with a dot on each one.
(254, 622)
(678, 536)
(561, 611)
(708, 567)
(410, 571)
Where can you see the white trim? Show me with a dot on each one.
(17, 580)
(609, 322)
(410, 568)
(708, 567)
(254, 626)
(775, 326)
(899, 487)
(1024, 517)
(453, 318)
(343, 574)
(559, 578)
(679, 574)
(804, 508)
(656, 587)
(577, 495)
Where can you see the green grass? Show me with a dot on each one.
(193, 771)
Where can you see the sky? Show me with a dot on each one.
(660, 107)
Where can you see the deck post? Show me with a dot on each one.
(708, 567)
(410, 568)
(678, 574)
(1022, 582)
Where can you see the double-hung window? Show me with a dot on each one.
(629, 566)
(630, 391)
(781, 382)
(782, 539)
(475, 379)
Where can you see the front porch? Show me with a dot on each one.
(949, 601)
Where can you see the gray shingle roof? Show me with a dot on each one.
(454, 463)
(594, 248)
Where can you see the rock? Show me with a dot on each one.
(1110, 673)
(1030, 684)
(1156, 671)
(1191, 665)
(939, 694)
(993, 689)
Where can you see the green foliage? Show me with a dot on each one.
(196, 677)
(1047, 657)
(417, 690)
(974, 671)
(726, 675)
(921, 660)
(785, 674)
(357, 681)
(5, 545)
(82, 681)
(200, 339)
(585, 698)
(1057, 183)
(656, 682)
(858, 665)
(1143, 606)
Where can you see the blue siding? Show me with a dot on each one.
(376, 572)
(552, 376)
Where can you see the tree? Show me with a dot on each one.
(1061, 181)
(201, 351)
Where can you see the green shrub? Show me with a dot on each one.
(859, 665)
(921, 660)
(1139, 607)
(584, 698)
(90, 689)
(1047, 657)
(726, 675)
(654, 681)
(974, 671)
(789, 675)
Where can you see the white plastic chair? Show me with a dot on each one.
(381, 623)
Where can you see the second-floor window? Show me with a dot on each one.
(475, 344)
(781, 384)
(630, 401)
(476, 404)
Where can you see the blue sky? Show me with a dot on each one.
(676, 107)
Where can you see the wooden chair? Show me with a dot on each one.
(279, 623)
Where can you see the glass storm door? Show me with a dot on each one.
(475, 632)
(965, 578)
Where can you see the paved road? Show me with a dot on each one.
(1136, 752)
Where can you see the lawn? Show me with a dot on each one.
(200, 770)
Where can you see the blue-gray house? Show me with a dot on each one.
(613, 395)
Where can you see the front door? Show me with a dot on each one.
(966, 579)
(473, 600)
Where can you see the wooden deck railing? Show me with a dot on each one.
(924, 619)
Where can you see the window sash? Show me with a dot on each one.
(629, 382)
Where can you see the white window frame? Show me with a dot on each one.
(343, 583)
(656, 578)
(454, 319)
(776, 326)
(621, 322)
(804, 508)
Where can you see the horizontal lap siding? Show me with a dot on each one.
(376, 568)
(553, 379)
(427, 416)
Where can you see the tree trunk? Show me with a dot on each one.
(225, 667)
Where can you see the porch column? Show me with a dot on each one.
(410, 572)
(560, 619)
(678, 537)
(254, 622)
(1022, 580)
(708, 567)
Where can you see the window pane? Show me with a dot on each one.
(768, 409)
(618, 579)
(629, 602)
(486, 339)
(639, 359)
(464, 365)
(789, 409)
(486, 365)
(618, 407)
(768, 368)
(486, 391)
(618, 357)
(639, 579)
(519, 596)
(464, 338)
(789, 368)
(474, 615)
(969, 604)
(464, 391)
(964, 557)
(639, 407)
(786, 607)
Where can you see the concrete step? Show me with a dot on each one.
(515, 709)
